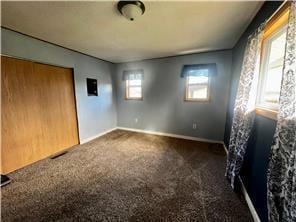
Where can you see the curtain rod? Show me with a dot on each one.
(279, 8)
(266, 21)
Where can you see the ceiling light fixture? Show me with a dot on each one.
(131, 9)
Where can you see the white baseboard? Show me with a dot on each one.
(170, 135)
(246, 195)
(96, 136)
(249, 202)
(151, 132)
(225, 148)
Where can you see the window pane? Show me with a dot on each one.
(272, 74)
(136, 82)
(135, 92)
(197, 92)
(277, 49)
(197, 79)
(273, 85)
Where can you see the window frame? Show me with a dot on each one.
(127, 87)
(206, 100)
(266, 50)
(277, 22)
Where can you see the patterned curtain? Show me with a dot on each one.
(282, 166)
(243, 117)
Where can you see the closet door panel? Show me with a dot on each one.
(38, 112)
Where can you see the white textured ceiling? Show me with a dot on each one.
(165, 29)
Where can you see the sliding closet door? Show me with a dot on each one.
(38, 112)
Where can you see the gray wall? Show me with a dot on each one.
(95, 114)
(163, 107)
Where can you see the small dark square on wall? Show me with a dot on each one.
(92, 87)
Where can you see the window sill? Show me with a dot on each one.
(268, 113)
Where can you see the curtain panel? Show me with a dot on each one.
(281, 185)
(244, 114)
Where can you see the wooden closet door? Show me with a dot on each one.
(38, 112)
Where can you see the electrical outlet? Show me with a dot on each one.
(194, 126)
(136, 120)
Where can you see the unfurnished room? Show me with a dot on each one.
(148, 111)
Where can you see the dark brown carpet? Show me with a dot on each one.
(126, 176)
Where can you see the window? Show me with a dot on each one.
(197, 79)
(272, 61)
(134, 89)
(133, 83)
(272, 67)
(197, 88)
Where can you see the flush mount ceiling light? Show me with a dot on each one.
(131, 9)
